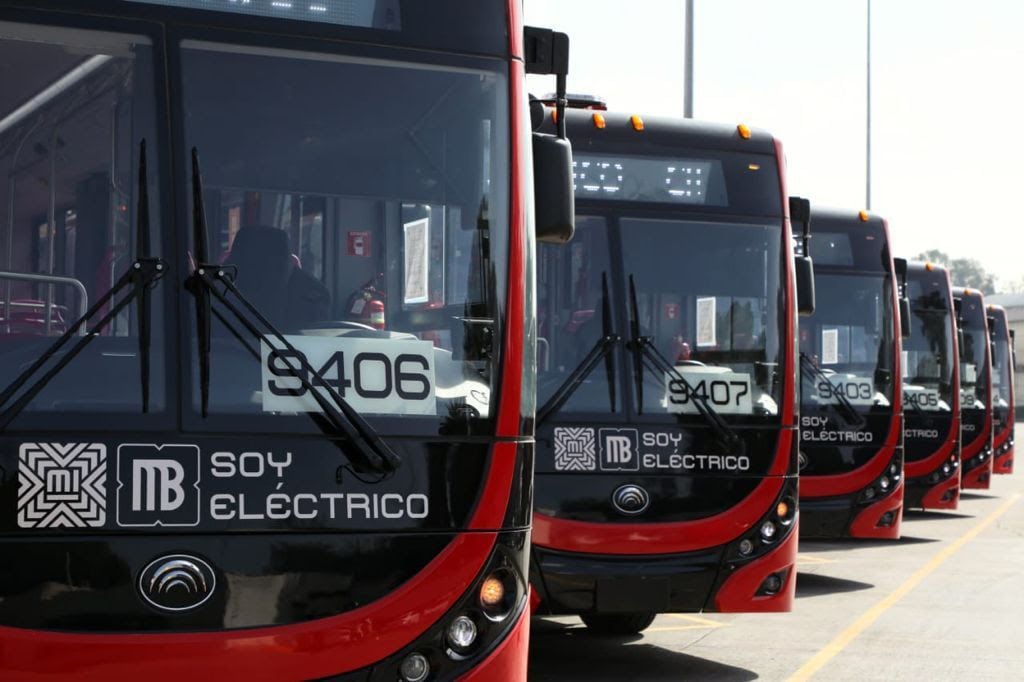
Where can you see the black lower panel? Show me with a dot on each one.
(577, 583)
(91, 584)
(828, 517)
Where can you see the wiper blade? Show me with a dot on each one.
(141, 276)
(602, 349)
(211, 281)
(844, 406)
(644, 349)
(636, 347)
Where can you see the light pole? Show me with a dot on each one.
(688, 63)
(868, 127)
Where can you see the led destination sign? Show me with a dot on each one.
(662, 180)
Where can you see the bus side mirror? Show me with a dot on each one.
(546, 52)
(555, 206)
(804, 284)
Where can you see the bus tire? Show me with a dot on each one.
(618, 623)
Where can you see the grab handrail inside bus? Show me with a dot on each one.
(83, 295)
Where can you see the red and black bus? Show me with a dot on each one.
(975, 388)
(266, 353)
(1002, 390)
(851, 413)
(931, 391)
(665, 474)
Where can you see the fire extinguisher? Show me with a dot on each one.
(375, 307)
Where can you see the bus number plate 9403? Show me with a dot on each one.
(374, 376)
(725, 392)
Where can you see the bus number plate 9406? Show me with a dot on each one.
(374, 376)
(725, 392)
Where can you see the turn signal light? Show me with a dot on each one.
(599, 121)
(744, 131)
(782, 510)
(492, 592)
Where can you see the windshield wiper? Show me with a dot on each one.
(142, 274)
(647, 356)
(844, 407)
(602, 349)
(212, 281)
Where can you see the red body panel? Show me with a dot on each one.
(1003, 464)
(738, 593)
(508, 661)
(865, 524)
(933, 498)
(980, 477)
(318, 648)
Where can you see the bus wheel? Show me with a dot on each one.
(618, 623)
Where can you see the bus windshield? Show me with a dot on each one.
(974, 370)
(706, 294)
(849, 342)
(1002, 370)
(371, 232)
(928, 352)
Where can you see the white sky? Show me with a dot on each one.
(947, 113)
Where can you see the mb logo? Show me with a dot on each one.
(619, 450)
(158, 485)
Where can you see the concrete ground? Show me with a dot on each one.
(946, 602)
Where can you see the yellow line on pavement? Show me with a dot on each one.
(697, 620)
(808, 560)
(844, 638)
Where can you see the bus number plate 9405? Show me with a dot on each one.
(374, 376)
(725, 392)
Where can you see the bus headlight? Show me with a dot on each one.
(415, 668)
(768, 531)
(462, 633)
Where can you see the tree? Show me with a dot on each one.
(965, 272)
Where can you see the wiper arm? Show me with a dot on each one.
(844, 407)
(141, 276)
(644, 349)
(602, 349)
(211, 281)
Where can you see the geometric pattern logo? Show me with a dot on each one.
(575, 449)
(62, 485)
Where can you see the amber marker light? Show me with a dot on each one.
(638, 123)
(492, 592)
(863, 215)
(554, 116)
(599, 121)
(782, 509)
(744, 131)
(929, 266)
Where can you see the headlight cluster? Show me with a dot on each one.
(884, 484)
(767, 532)
(477, 622)
(945, 471)
(979, 458)
(1005, 447)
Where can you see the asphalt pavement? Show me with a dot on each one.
(945, 602)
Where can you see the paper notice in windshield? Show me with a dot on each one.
(725, 392)
(417, 261)
(706, 321)
(829, 346)
(969, 373)
(374, 376)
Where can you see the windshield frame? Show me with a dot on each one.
(613, 212)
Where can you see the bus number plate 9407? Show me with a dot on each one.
(374, 376)
(725, 392)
